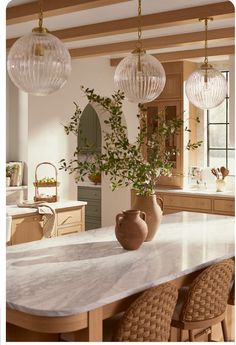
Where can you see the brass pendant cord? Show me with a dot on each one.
(139, 43)
(206, 64)
(206, 27)
(40, 28)
(40, 14)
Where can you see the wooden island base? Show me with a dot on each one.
(88, 326)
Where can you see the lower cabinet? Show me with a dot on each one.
(177, 201)
(29, 227)
(26, 229)
(92, 195)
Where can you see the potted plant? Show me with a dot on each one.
(122, 161)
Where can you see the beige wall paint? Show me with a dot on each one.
(48, 142)
(16, 125)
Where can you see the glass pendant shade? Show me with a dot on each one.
(206, 88)
(39, 63)
(140, 85)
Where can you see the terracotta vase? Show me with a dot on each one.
(131, 229)
(150, 206)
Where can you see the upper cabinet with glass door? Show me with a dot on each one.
(170, 104)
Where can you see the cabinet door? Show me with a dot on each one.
(26, 229)
(93, 208)
(170, 110)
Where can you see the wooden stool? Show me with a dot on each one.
(148, 318)
(203, 304)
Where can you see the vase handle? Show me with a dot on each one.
(118, 217)
(162, 202)
(143, 215)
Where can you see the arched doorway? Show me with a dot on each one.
(90, 129)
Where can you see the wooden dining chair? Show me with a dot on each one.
(203, 304)
(148, 318)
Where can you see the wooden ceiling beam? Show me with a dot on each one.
(153, 43)
(151, 21)
(186, 54)
(29, 11)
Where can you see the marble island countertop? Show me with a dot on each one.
(14, 210)
(197, 191)
(76, 273)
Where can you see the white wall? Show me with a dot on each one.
(48, 142)
(16, 125)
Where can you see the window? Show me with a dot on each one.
(220, 149)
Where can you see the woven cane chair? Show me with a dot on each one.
(148, 318)
(231, 299)
(204, 303)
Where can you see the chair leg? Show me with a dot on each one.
(191, 336)
(180, 335)
(224, 330)
(209, 336)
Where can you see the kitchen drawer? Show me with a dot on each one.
(69, 230)
(187, 203)
(69, 217)
(85, 193)
(93, 209)
(224, 206)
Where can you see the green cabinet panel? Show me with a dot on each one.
(93, 208)
(86, 193)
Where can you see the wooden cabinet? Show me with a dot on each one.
(70, 220)
(29, 227)
(90, 130)
(177, 202)
(26, 229)
(224, 206)
(92, 195)
(171, 104)
(171, 110)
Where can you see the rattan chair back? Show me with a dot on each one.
(208, 294)
(148, 318)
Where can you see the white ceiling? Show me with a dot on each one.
(119, 11)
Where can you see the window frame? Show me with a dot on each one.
(226, 149)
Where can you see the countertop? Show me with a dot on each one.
(195, 191)
(14, 210)
(79, 272)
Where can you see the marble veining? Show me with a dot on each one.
(79, 272)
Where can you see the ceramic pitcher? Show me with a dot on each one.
(131, 229)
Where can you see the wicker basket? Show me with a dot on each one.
(38, 184)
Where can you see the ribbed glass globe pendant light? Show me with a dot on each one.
(206, 87)
(140, 76)
(39, 63)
